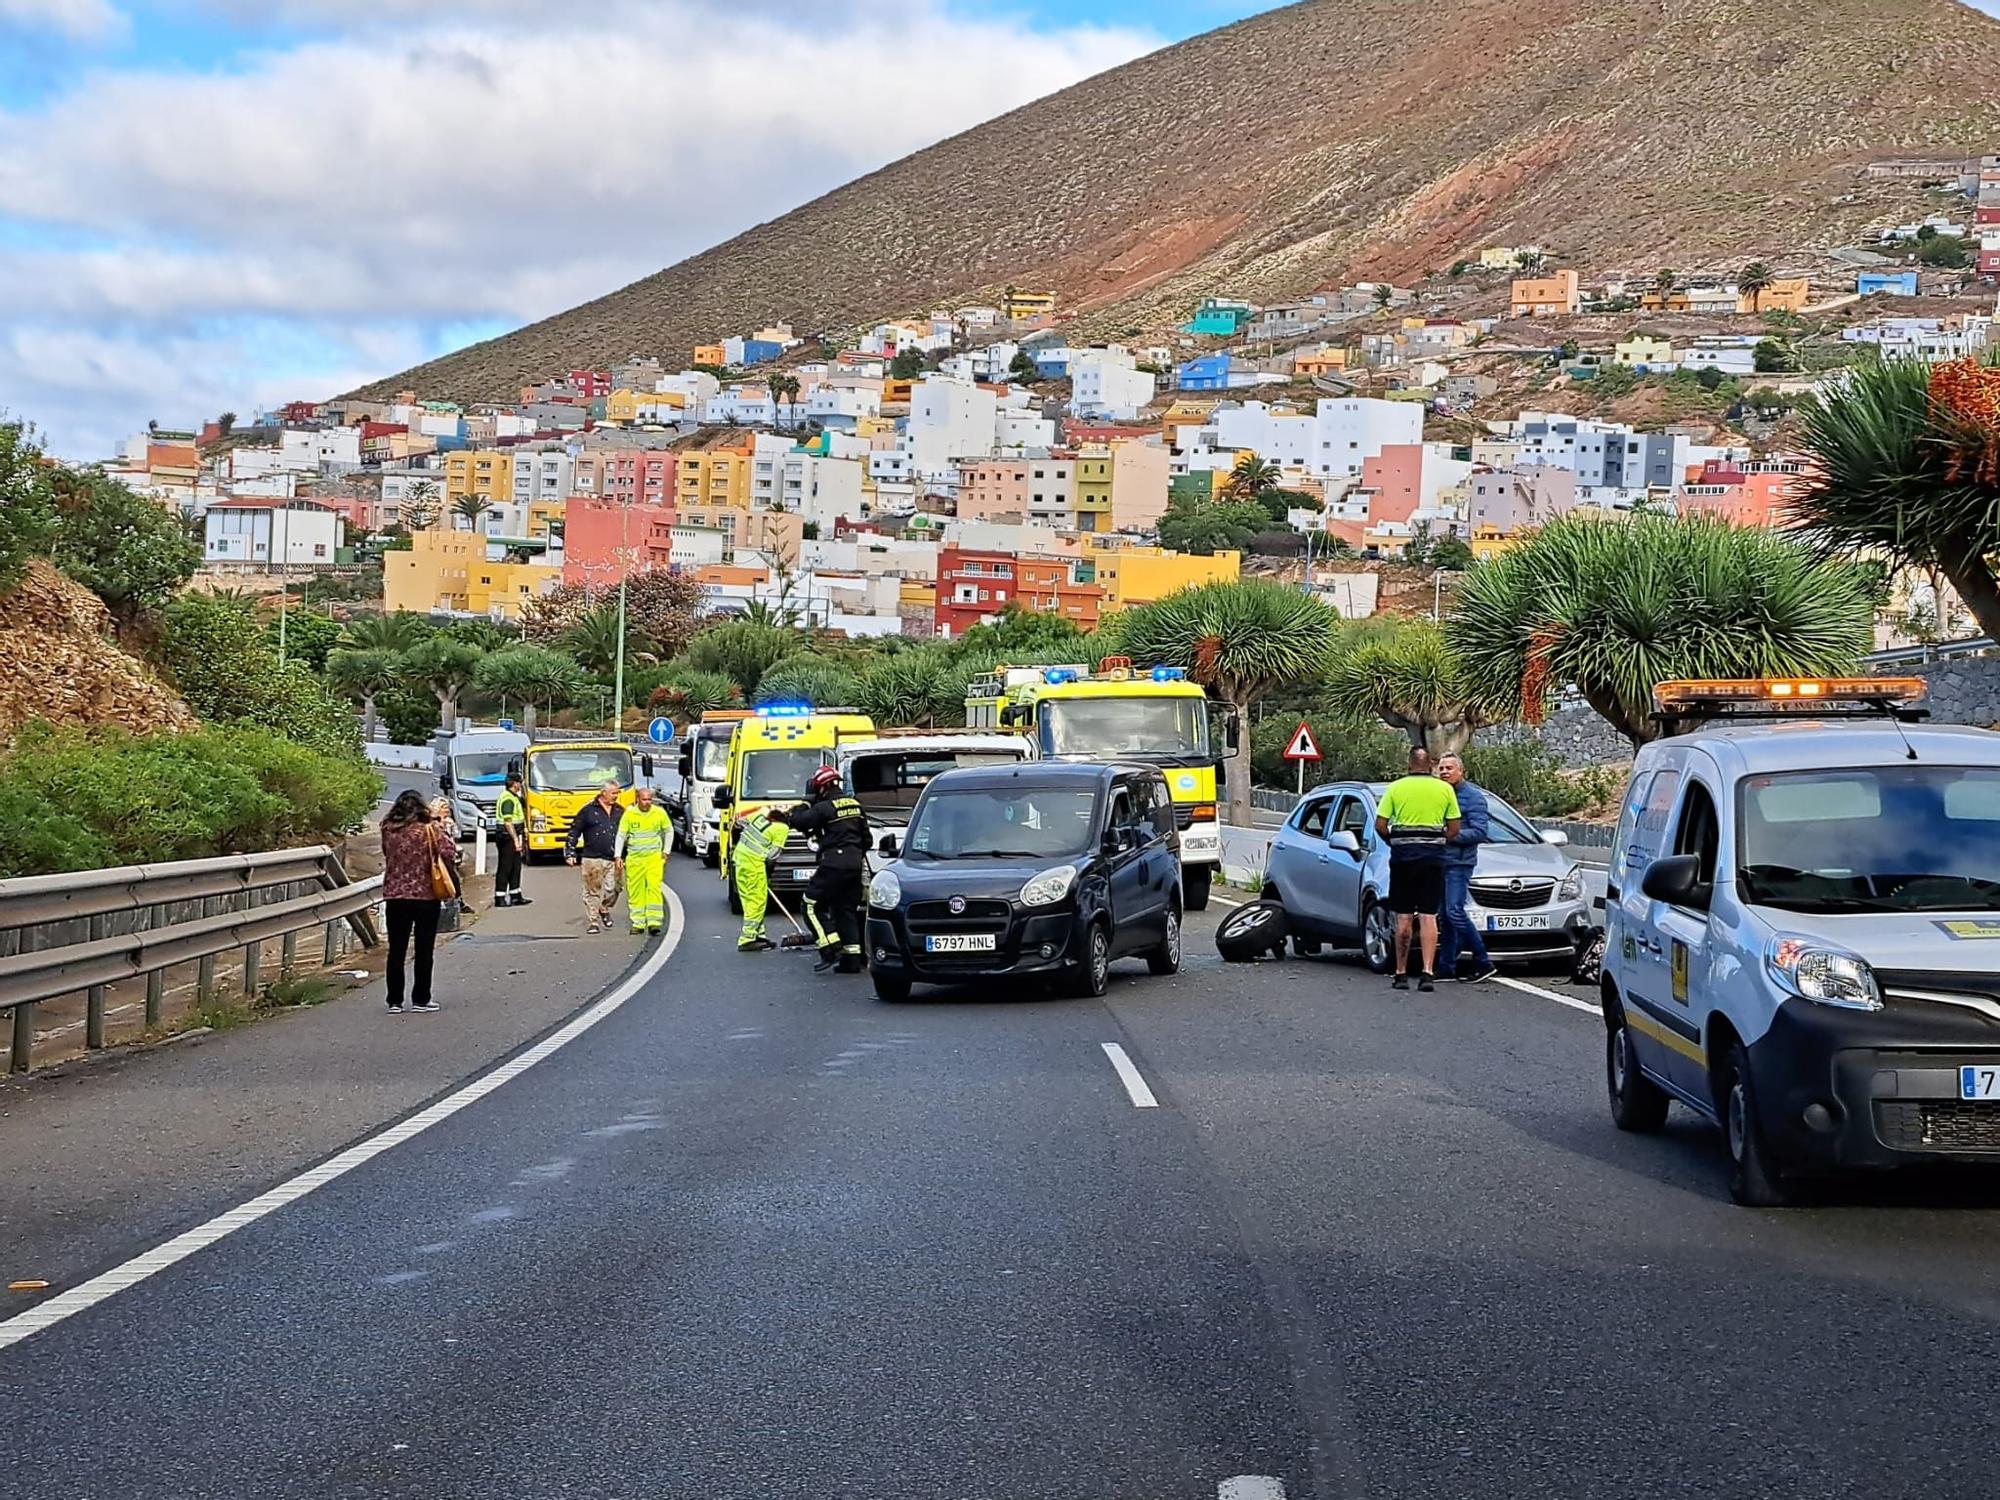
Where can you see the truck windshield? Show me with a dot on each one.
(778, 775)
(1169, 729)
(1026, 822)
(578, 770)
(481, 770)
(711, 757)
(1890, 839)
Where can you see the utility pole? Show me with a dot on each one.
(284, 578)
(618, 677)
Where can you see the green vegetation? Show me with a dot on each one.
(215, 651)
(530, 675)
(75, 801)
(907, 365)
(1215, 526)
(128, 550)
(1410, 678)
(1615, 607)
(27, 509)
(1910, 474)
(1947, 252)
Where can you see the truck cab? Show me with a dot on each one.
(1150, 717)
(888, 774)
(472, 769)
(704, 770)
(562, 775)
(772, 753)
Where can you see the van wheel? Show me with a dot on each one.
(1092, 976)
(1166, 959)
(711, 857)
(1378, 937)
(1637, 1103)
(1195, 883)
(1755, 1179)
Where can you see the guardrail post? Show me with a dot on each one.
(332, 938)
(93, 998)
(23, 1056)
(288, 954)
(156, 993)
(252, 961)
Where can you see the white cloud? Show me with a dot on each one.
(501, 162)
(86, 20)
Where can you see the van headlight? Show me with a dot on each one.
(1049, 887)
(885, 891)
(1826, 976)
(1571, 888)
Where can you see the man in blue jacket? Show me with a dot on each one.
(1456, 931)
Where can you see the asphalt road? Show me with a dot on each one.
(757, 1235)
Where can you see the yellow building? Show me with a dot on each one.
(1643, 349)
(545, 515)
(1018, 305)
(448, 572)
(1185, 413)
(628, 407)
(710, 354)
(1090, 488)
(714, 469)
(1319, 362)
(485, 472)
(1139, 575)
(1784, 294)
(1488, 542)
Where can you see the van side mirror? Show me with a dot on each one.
(444, 781)
(1555, 837)
(685, 765)
(1677, 881)
(1344, 840)
(723, 797)
(888, 845)
(646, 765)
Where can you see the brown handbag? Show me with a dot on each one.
(444, 879)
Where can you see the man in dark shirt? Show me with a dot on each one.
(839, 827)
(594, 837)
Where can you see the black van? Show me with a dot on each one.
(1046, 870)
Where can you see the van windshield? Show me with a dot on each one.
(1891, 839)
(482, 770)
(779, 775)
(1136, 728)
(711, 757)
(578, 770)
(1023, 822)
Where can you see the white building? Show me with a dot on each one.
(746, 405)
(822, 491)
(948, 419)
(542, 473)
(697, 387)
(696, 546)
(843, 402)
(1930, 339)
(1727, 354)
(1106, 384)
(320, 450)
(266, 534)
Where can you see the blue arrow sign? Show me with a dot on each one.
(661, 731)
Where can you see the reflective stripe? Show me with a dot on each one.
(756, 840)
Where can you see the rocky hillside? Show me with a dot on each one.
(1343, 137)
(59, 663)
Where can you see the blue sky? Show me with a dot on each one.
(221, 204)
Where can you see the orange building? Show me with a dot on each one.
(1048, 586)
(1547, 296)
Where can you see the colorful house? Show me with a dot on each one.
(1220, 317)
(1894, 283)
(1019, 306)
(1784, 294)
(449, 572)
(1308, 366)
(710, 354)
(1547, 296)
(1091, 490)
(1644, 351)
(1139, 575)
(1207, 372)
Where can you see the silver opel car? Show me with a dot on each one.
(1331, 874)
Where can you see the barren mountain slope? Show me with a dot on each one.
(1343, 136)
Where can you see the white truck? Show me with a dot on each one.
(472, 768)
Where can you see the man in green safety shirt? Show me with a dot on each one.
(759, 836)
(643, 836)
(510, 843)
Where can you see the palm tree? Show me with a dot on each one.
(1384, 294)
(904, 689)
(471, 509)
(809, 679)
(1251, 477)
(1241, 641)
(1531, 261)
(226, 423)
(785, 388)
(420, 506)
(1615, 607)
(1906, 459)
(593, 638)
(1666, 280)
(1754, 282)
(444, 667)
(1411, 680)
(364, 673)
(691, 694)
(396, 631)
(536, 675)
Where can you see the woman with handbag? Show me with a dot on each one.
(419, 874)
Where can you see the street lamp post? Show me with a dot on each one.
(284, 578)
(618, 675)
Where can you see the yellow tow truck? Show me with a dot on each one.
(1156, 718)
(561, 775)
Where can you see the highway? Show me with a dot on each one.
(754, 1234)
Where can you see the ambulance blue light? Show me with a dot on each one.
(1170, 674)
(1056, 675)
(784, 710)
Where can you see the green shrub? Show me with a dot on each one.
(1528, 776)
(1353, 750)
(408, 718)
(806, 678)
(70, 801)
(217, 653)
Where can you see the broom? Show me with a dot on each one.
(798, 937)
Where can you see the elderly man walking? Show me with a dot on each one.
(1458, 936)
(643, 836)
(594, 837)
(1418, 815)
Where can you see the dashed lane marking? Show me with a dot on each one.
(1535, 989)
(1130, 1076)
(68, 1304)
(1251, 1487)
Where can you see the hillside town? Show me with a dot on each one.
(919, 476)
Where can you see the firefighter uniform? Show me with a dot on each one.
(758, 838)
(643, 835)
(836, 891)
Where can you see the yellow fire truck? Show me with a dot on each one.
(1157, 718)
(771, 754)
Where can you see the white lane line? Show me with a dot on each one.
(1251, 1487)
(1129, 1075)
(66, 1305)
(1535, 989)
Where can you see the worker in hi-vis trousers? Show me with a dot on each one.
(643, 836)
(759, 836)
(835, 895)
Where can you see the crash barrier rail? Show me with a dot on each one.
(1942, 651)
(61, 934)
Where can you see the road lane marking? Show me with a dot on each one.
(67, 1304)
(1251, 1487)
(1571, 1001)
(1129, 1075)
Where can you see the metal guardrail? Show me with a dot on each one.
(1918, 655)
(60, 934)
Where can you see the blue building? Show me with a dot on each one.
(1051, 361)
(1895, 283)
(1209, 372)
(761, 351)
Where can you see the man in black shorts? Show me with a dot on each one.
(1418, 815)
